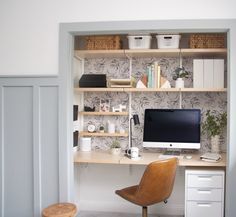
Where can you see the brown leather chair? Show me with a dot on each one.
(155, 186)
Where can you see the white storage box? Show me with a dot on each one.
(168, 41)
(139, 42)
(85, 144)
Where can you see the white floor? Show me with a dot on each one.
(115, 214)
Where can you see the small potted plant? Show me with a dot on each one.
(115, 147)
(214, 126)
(101, 129)
(179, 74)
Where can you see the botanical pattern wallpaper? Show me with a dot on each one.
(119, 68)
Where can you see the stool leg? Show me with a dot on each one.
(144, 211)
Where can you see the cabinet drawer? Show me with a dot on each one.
(204, 194)
(205, 180)
(203, 209)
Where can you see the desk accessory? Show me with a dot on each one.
(135, 118)
(211, 157)
(85, 144)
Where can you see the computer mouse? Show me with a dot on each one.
(188, 157)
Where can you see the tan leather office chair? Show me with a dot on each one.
(155, 186)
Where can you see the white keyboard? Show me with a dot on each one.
(164, 156)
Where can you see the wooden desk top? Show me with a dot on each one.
(106, 158)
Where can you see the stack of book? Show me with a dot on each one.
(153, 76)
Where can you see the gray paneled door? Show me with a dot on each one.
(29, 145)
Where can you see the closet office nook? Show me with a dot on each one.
(117, 76)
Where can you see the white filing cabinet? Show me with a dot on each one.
(204, 193)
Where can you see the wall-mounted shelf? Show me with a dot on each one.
(150, 90)
(150, 53)
(83, 133)
(105, 113)
(91, 89)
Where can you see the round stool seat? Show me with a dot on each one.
(60, 210)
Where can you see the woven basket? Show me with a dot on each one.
(207, 41)
(103, 42)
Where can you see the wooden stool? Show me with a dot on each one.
(60, 210)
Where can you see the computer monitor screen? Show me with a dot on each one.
(172, 128)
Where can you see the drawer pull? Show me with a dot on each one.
(204, 204)
(205, 177)
(204, 191)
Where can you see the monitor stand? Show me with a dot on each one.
(172, 152)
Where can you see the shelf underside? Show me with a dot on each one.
(150, 90)
(209, 52)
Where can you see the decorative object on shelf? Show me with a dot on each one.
(119, 108)
(122, 130)
(164, 83)
(111, 127)
(178, 76)
(102, 129)
(104, 105)
(91, 128)
(214, 126)
(75, 112)
(89, 109)
(115, 147)
(103, 42)
(140, 84)
(120, 82)
(135, 118)
(207, 41)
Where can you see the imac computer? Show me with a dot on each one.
(172, 128)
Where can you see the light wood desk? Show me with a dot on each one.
(146, 158)
(198, 175)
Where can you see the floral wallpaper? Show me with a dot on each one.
(119, 68)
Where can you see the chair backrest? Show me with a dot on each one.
(157, 182)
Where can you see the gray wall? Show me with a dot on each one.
(29, 165)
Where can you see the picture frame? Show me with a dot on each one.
(104, 105)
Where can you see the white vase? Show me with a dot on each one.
(215, 144)
(179, 83)
(115, 151)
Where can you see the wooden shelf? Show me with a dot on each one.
(94, 89)
(104, 113)
(203, 89)
(128, 90)
(83, 133)
(150, 53)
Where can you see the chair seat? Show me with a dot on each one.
(129, 194)
(60, 210)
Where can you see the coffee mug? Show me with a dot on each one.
(133, 152)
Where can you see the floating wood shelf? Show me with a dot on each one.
(83, 133)
(149, 53)
(104, 113)
(150, 89)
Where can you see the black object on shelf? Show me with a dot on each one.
(89, 109)
(75, 138)
(75, 112)
(93, 80)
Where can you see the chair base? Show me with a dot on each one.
(144, 211)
